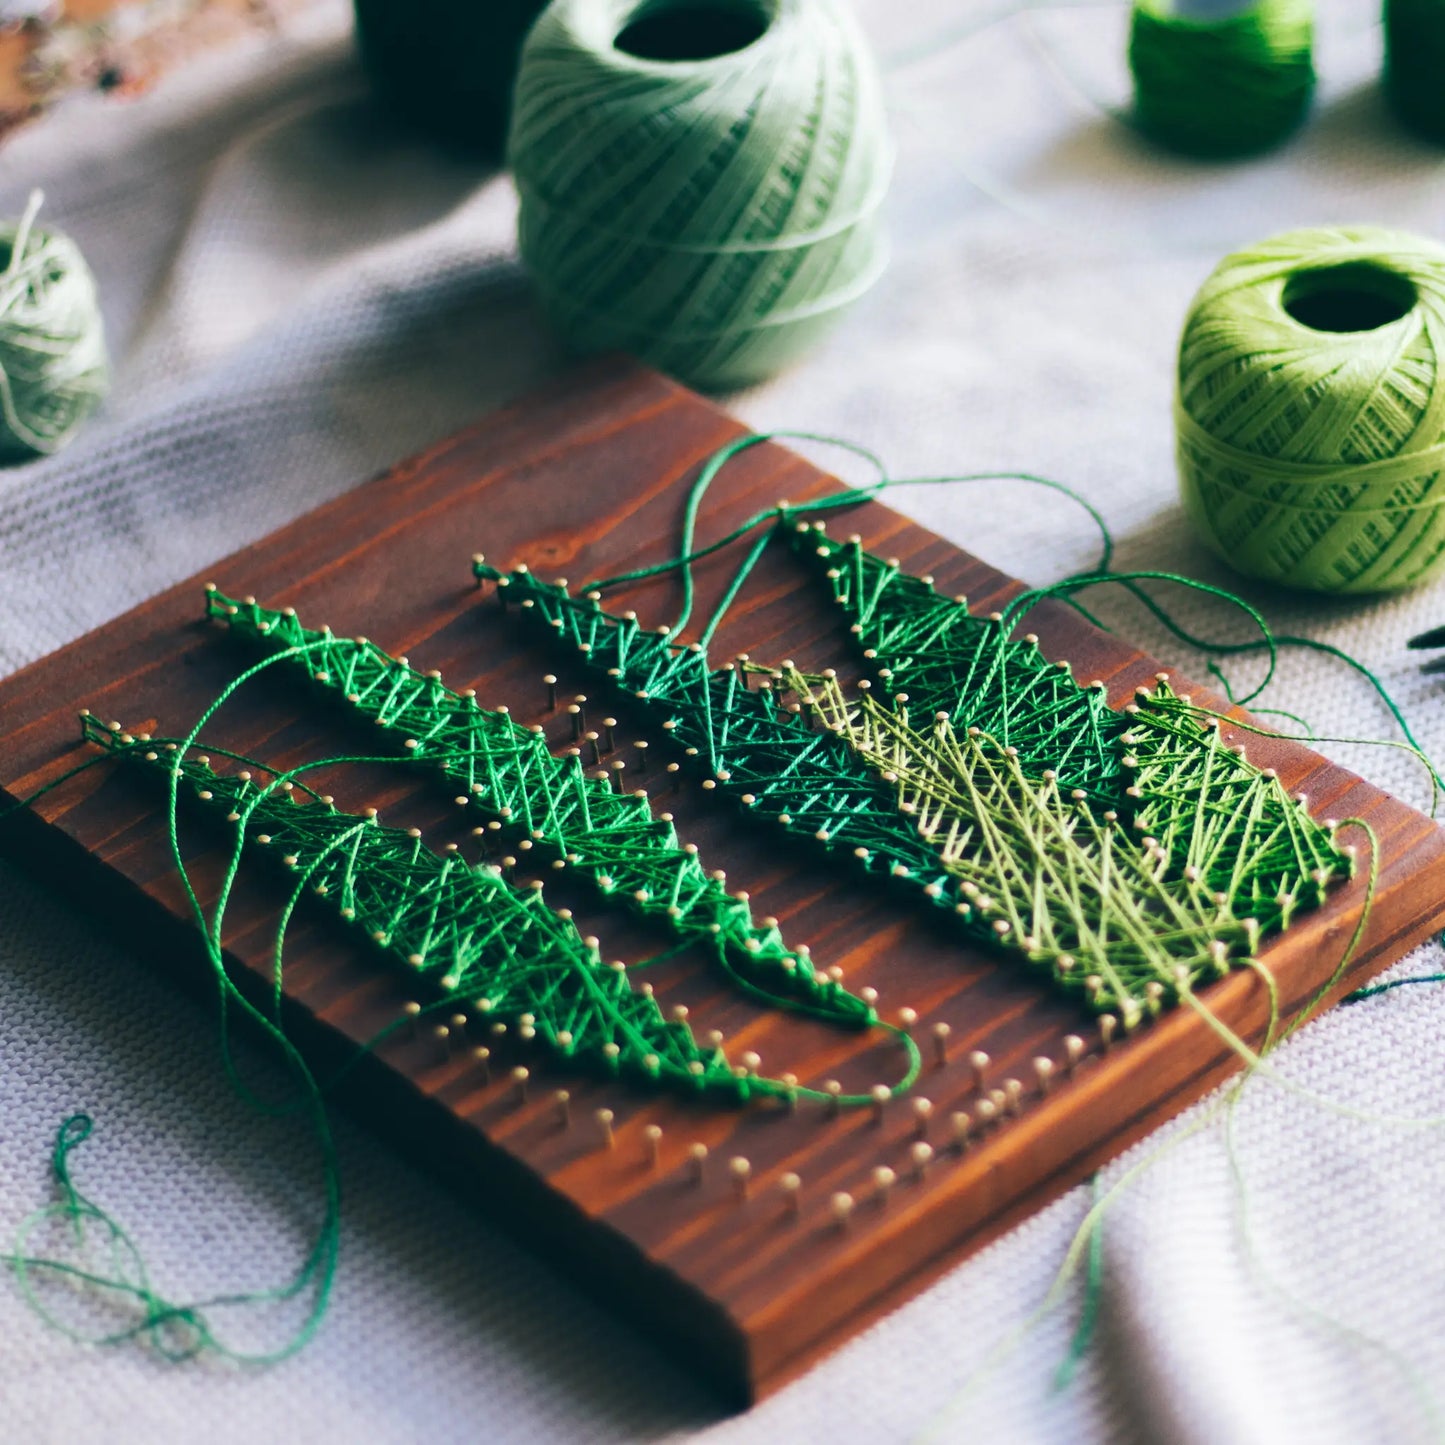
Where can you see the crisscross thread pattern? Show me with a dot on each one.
(506, 772)
(481, 939)
(1227, 824)
(1131, 856)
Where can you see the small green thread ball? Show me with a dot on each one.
(1310, 410)
(53, 368)
(1221, 86)
(700, 180)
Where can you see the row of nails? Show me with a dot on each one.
(963, 1127)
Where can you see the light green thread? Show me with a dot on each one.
(1101, 903)
(747, 742)
(53, 369)
(713, 212)
(1038, 889)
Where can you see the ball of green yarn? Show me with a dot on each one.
(1221, 83)
(1415, 64)
(700, 179)
(53, 370)
(1311, 409)
(446, 66)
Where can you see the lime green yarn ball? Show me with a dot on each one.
(700, 180)
(1219, 81)
(1311, 410)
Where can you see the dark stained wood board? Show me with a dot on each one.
(586, 479)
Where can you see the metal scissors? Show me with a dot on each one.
(1434, 638)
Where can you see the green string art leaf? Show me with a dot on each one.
(1223, 820)
(745, 741)
(472, 932)
(1070, 886)
(949, 661)
(1227, 826)
(506, 772)
(1130, 856)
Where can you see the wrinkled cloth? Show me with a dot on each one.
(298, 295)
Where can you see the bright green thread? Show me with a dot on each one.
(507, 773)
(1221, 81)
(160, 1321)
(495, 947)
(849, 497)
(1363, 993)
(1022, 860)
(1131, 910)
(1231, 829)
(123, 1278)
(175, 1332)
(949, 662)
(1093, 1299)
(53, 370)
(661, 653)
(746, 742)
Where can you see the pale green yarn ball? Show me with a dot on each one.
(53, 369)
(1311, 410)
(700, 180)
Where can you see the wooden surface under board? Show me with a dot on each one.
(584, 480)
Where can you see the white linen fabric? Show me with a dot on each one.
(297, 296)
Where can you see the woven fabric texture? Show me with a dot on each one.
(297, 295)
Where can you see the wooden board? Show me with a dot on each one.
(584, 480)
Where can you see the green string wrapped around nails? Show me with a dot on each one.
(506, 772)
(494, 946)
(1166, 854)
(484, 941)
(1132, 855)
(1229, 826)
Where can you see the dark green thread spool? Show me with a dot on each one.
(447, 66)
(1415, 64)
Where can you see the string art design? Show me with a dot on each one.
(1129, 856)
(485, 942)
(946, 660)
(507, 772)
(1228, 826)
(748, 742)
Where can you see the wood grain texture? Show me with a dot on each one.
(584, 480)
